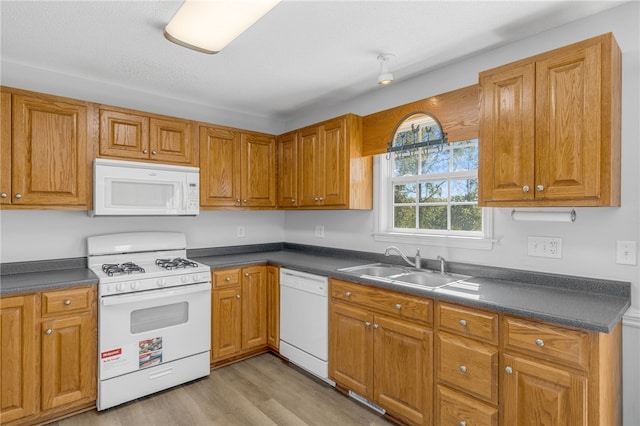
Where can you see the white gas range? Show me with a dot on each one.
(154, 314)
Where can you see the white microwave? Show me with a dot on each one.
(129, 188)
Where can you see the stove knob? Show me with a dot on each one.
(161, 283)
(120, 287)
(184, 278)
(134, 285)
(196, 278)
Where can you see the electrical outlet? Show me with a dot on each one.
(545, 247)
(240, 232)
(626, 252)
(319, 231)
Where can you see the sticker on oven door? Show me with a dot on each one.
(150, 352)
(118, 360)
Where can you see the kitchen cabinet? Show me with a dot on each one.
(550, 128)
(49, 348)
(466, 365)
(133, 135)
(380, 347)
(273, 307)
(237, 169)
(45, 158)
(239, 313)
(558, 375)
(323, 164)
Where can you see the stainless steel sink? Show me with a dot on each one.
(403, 276)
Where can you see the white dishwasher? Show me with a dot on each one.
(304, 321)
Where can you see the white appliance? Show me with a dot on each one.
(125, 188)
(304, 321)
(154, 314)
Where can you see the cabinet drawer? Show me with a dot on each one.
(468, 322)
(226, 277)
(389, 302)
(67, 300)
(454, 408)
(549, 342)
(468, 365)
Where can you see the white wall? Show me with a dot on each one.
(588, 244)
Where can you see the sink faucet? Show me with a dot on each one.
(417, 262)
(442, 265)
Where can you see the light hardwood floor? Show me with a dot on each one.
(262, 390)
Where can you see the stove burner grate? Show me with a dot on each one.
(112, 269)
(176, 263)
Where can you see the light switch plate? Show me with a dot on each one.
(319, 231)
(626, 252)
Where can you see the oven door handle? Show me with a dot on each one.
(154, 295)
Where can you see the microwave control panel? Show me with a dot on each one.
(193, 196)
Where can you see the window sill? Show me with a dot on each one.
(473, 243)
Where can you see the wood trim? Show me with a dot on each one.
(457, 111)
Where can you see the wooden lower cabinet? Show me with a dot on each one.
(384, 357)
(273, 307)
(48, 353)
(238, 313)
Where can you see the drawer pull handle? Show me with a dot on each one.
(508, 370)
(540, 342)
(227, 279)
(463, 323)
(67, 302)
(367, 324)
(463, 369)
(398, 306)
(48, 332)
(348, 294)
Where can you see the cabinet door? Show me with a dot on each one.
(402, 374)
(68, 360)
(273, 307)
(49, 152)
(219, 167)
(309, 167)
(351, 348)
(5, 149)
(507, 125)
(568, 117)
(124, 135)
(258, 182)
(226, 314)
(254, 307)
(536, 394)
(333, 158)
(287, 194)
(18, 349)
(172, 141)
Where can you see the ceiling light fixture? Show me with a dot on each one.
(385, 77)
(208, 26)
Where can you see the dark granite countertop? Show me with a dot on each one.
(581, 302)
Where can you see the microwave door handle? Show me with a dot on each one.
(133, 298)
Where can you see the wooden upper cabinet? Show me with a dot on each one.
(331, 171)
(49, 158)
(5, 148)
(550, 128)
(237, 169)
(134, 135)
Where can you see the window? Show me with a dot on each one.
(430, 195)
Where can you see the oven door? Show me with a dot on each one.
(140, 330)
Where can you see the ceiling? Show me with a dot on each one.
(301, 55)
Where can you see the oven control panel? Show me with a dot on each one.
(137, 284)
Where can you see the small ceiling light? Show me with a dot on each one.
(385, 77)
(208, 26)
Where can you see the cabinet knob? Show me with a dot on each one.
(244, 201)
(321, 199)
(238, 200)
(348, 294)
(462, 423)
(367, 324)
(463, 323)
(463, 368)
(3, 195)
(525, 188)
(539, 342)
(67, 302)
(237, 296)
(246, 274)
(508, 370)
(398, 306)
(539, 187)
(227, 279)
(18, 196)
(145, 151)
(293, 200)
(48, 332)
(375, 326)
(315, 198)
(154, 152)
